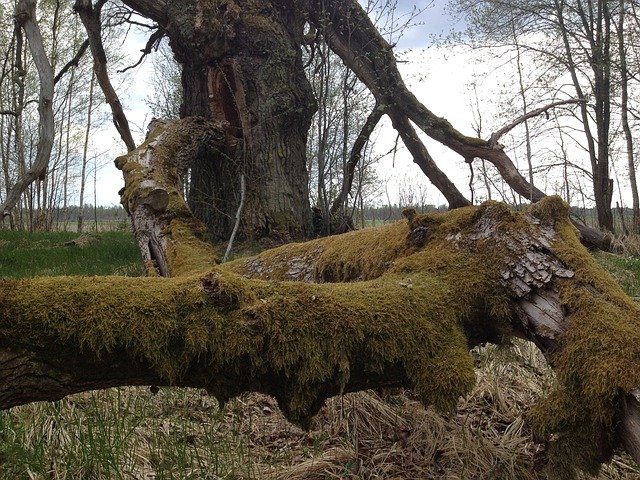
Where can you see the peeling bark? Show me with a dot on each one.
(152, 195)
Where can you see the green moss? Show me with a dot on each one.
(600, 357)
(601, 350)
(305, 340)
(188, 251)
(359, 255)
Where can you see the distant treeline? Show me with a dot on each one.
(114, 217)
(96, 218)
(373, 215)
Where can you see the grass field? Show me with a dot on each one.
(65, 253)
(131, 433)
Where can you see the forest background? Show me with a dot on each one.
(480, 73)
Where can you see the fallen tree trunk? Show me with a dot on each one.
(403, 315)
(395, 306)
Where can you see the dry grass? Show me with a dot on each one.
(182, 434)
(627, 244)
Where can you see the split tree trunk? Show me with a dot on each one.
(242, 66)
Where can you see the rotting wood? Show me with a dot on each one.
(152, 195)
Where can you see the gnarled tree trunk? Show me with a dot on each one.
(394, 306)
(242, 67)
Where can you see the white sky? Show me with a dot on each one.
(439, 79)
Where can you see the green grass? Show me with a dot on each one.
(624, 268)
(25, 255)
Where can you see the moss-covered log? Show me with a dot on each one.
(395, 306)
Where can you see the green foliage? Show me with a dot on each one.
(25, 255)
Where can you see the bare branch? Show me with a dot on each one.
(243, 190)
(90, 17)
(495, 136)
(152, 43)
(355, 155)
(424, 160)
(73, 62)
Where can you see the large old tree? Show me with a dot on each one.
(395, 306)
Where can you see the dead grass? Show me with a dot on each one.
(132, 433)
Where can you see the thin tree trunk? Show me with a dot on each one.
(83, 174)
(624, 113)
(25, 19)
(525, 110)
(354, 157)
(67, 157)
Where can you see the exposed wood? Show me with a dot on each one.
(25, 18)
(154, 175)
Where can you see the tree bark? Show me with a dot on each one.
(25, 18)
(242, 65)
(354, 157)
(624, 117)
